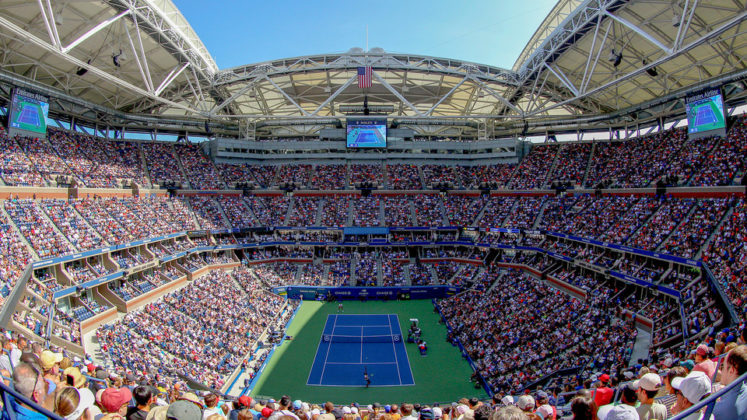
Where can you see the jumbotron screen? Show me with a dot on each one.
(28, 112)
(367, 133)
(705, 112)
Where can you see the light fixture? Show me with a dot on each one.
(651, 71)
(615, 57)
(115, 59)
(82, 70)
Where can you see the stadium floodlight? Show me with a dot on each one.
(82, 70)
(651, 71)
(115, 59)
(616, 57)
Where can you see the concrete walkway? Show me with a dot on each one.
(641, 346)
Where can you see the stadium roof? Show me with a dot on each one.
(588, 58)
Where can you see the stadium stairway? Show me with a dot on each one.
(444, 214)
(540, 214)
(512, 211)
(353, 263)
(347, 175)
(413, 213)
(223, 214)
(56, 228)
(188, 205)
(684, 220)
(379, 271)
(319, 212)
(144, 165)
(382, 213)
(588, 164)
(715, 230)
(476, 222)
(289, 210)
(87, 223)
(351, 212)
(641, 346)
(325, 275)
(406, 272)
(421, 176)
(18, 233)
(551, 170)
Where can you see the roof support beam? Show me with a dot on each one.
(443, 98)
(496, 95)
(142, 51)
(561, 76)
(736, 20)
(334, 95)
(36, 41)
(137, 60)
(640, 32)
(397, 94)
(303, 111)
(170, 78)
(233, 97)
(93, 31)
(49, 23)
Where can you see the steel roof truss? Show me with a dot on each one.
(397, 94)
(291, 100)
(334, 95)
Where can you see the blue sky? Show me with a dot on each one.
(483, 31)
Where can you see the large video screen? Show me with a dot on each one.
(705, 113)
(368, 133)
(28, 112)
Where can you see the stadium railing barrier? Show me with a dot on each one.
(710, 402)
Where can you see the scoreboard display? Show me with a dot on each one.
(366, 133)
(705, 113)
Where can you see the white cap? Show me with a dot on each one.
(437, 413)
(525, 402)
(649, 382)
(507, 400)
(622, 412)
(315, 412)
(354, 410)
(693, 386)
(346, 410)
(86, 401)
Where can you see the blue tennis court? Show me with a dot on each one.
(29, 115)
(351, 345)
(705, 116)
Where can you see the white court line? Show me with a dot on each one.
(321, 378)
(375, 363)
(394, 349)
(317, 351)
(361, 344)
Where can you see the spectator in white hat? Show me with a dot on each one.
(690, 390)
(647, 388)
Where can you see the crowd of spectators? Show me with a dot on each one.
(563, 331)
(428, 210)
(463, 210)
(335, 210)
(328, 177)
(403, 177)
(204, 337)
(37, 229)
(162, 164)
(397, 211)
(367, 211)
(17, 168)
(305, 210)
(199, 169)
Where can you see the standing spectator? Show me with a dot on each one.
(625, 410)
(604, 393)
(547, 411)
(733, 405)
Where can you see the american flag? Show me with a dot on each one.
(365, 77)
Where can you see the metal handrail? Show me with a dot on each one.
(710, 402)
